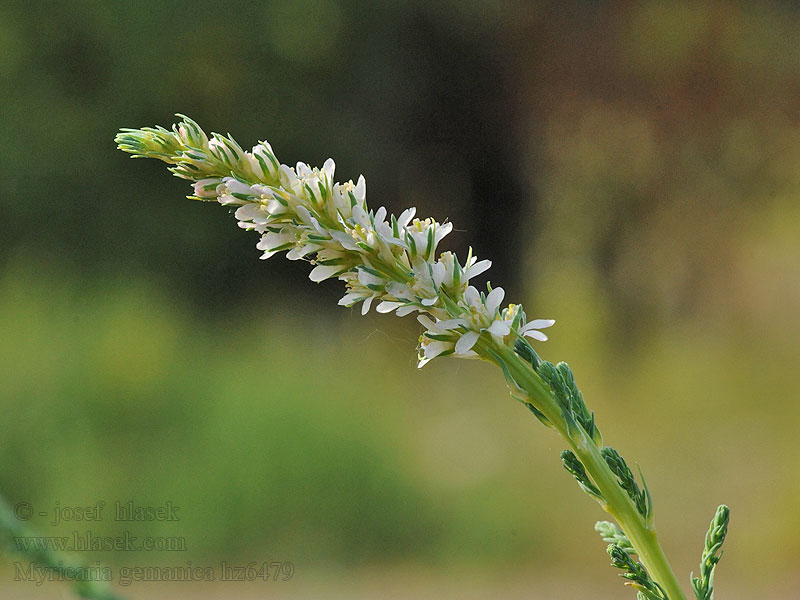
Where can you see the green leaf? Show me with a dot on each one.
(526, 351)
(612, 534)
(703, 586)
(573, 464)
(635, 573)
(626, 480)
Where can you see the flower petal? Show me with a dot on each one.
(451, 324)
(248, 212)
(405, 217)
(360, 191)
(323, 272)
(272, 240)
(441, 231)
(388, 306)
(538, 324)
(350, 298)
(438, 272)
(472, 296)
(366, 304)
(426, 322)
(436, 347)
(466, 342)
(237, 187)
(494, 299)
(535, 334)
(406, 310)
(499, 328)
(477, 268)
(328, 168)
(366, 278)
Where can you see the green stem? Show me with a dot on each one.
(617, 503)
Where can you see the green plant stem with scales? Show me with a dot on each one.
(392, 261)
(598, 479)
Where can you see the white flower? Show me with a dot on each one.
(425, 236)
(361, 287)
(329, 262)
(365, 297)
(480, 310)
(435, 341)
(263, 162)
(369, 279)
(272, 242)
(229, 189)
(447, 271)
(445, 337)
(190, 133)
(253, 215)
(362, 229)
(225, 150)
(207, 188)
(288, 178)
(503, 323)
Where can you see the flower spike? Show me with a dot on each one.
(386, 261)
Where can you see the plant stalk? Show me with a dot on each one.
(618, 504)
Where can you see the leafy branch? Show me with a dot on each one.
(704, 585)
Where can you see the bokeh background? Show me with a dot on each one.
(631, 168)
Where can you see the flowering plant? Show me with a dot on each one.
(391, 262)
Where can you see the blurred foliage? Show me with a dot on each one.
(631, 169)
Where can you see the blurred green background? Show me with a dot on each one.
(631, 168)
